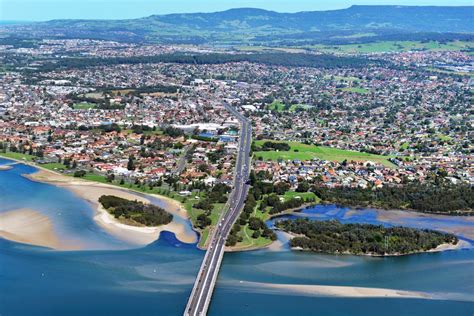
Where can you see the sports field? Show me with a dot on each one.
(307, 152)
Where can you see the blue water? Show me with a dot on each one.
(72, 217)
(376, 217)
(157, 279)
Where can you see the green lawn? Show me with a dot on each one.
(276, 106)
(355, 90)
(307, 152)
(84, 106)
(194, 213)
(303, 195)
(404, 146)
(18, 156)
(55, 166)
(294, 107)
(372, 47)
(394, 46)
(249, 242)
(204, 236)
(343, 79)
(443, 137)
(449, 72)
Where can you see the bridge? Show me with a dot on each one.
(201, 294)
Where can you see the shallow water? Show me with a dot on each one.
(157, 279)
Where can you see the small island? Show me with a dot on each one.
(332, 237)
(134, 212)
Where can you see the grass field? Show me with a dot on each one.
(445, 71)
(294, 107)
(55, 166)
(355, 90)
(269, 49)
(84, 106)
(194, 213)
(18, 156)
(276, 106)
(281, 107)
(404, 146)
(394, 46)
(249, 242)
(302, 195)
(307, 152)
(444, 138)
(343, 79)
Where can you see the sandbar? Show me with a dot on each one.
(31, 227)
(92, 191)
(338, 291)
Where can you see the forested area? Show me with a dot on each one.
(336, 238)
(441, 198)
(277, 59)
(260, 229)
(146, 214)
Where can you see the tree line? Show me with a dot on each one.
(441, 198)
(146, 214)
(336, 238)
(259, 227)
(271, 146)
(272, 59)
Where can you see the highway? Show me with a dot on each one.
(201, 294)
(182, 161)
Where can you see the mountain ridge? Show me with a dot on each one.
(244, 25)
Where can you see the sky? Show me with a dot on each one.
(42, 10)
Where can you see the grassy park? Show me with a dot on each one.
(276, 106)
(370, 47)
(307, 152)
(84, 106)
(355, 90)
(393, 46)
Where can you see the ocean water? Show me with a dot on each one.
(157, 279)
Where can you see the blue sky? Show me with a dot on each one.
(40, 10)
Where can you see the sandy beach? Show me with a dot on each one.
(92, 191)
(31, 227)
(459, 245)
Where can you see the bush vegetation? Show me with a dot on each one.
(146, 214)
(334, 237)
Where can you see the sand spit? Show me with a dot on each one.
(444, 247)
(31, 227)
(92, 191)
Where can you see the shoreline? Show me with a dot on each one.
(440, 248)
(145, 235)
(91, 191)
(88, 190)
(380, 208)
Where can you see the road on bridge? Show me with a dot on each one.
(201, 294)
